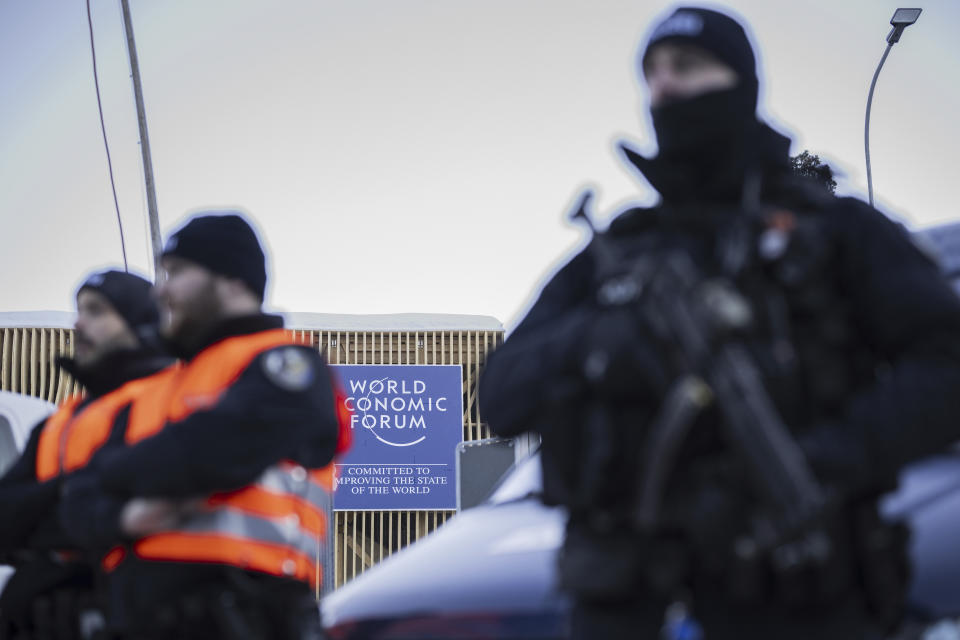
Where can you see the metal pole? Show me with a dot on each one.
(328, 550)
(144, 143)
(866, 127)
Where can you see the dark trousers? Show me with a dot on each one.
(50, 600)
(628, 620)
(643, 619)
(222, 612)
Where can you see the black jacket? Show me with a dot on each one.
(873, 319)
(28, 507)
(256, 423)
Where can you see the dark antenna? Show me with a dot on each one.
(106, 145)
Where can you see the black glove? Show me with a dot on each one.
(89, 516)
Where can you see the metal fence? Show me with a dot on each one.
(362, 538)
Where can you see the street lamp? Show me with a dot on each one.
(902, 18)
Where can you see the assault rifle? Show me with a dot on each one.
(704, 320)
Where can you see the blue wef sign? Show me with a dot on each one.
(406, 421)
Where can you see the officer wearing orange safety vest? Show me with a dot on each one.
(225, 473)
(116, 355)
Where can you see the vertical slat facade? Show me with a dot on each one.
(28, 362)
(363, 538)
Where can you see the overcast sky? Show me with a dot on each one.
(414, 155)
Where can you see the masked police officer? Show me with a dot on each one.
(115, 354)
(855, 335)
(222, 478)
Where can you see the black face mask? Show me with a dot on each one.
(706, 126)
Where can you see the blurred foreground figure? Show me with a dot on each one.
(224, 475)
(115, 357)
(726, 382)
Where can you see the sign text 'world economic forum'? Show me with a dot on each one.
(406, 422)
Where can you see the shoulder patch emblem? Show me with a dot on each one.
(288, 368)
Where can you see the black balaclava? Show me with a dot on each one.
(687, 128)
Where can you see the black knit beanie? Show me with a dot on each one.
(130, 295)
(712, 31)
(224, 243)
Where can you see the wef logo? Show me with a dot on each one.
(393, 411)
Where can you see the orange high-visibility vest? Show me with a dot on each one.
(71, 437)
(275, 525)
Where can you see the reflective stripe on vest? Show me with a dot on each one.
(275, 524)
(70, 437)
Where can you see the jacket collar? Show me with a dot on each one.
(115, 369)
(237, 326)
(716, 175)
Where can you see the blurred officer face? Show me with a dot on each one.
(675, 71)
(100, 330)
(189, 300)
(194, 299)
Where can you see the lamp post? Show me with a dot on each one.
(902, 18)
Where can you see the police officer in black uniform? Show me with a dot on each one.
(279, 407)
(116, 341)
(857, 338)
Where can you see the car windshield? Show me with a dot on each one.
(522, 481)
